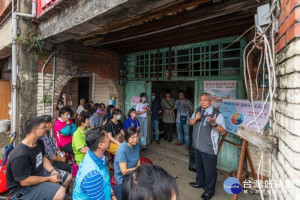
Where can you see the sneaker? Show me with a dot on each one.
(157, 141)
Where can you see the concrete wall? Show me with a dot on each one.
(286, 122)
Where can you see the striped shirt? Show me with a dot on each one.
(92, 185)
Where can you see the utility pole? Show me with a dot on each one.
(27, 69)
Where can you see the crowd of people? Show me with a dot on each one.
(38, 168)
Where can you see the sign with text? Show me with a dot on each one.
(220, 90)
(240, 112)
(135, 100)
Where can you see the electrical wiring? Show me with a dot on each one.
(264, 41)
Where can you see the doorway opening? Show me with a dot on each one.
(84, 88)
(174, 86)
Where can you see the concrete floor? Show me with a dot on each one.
(175, 160)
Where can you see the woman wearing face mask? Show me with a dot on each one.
(114, 127)
(63, 131)
(142, 110)
(131, 120)
(97, 119)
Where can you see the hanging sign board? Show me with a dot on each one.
(135, 100)
(240, 112)
(220, 90)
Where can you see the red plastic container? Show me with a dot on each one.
(3, 183)
(145, 160)
(113, 181)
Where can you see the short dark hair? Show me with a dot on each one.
(94, 137)
(59, 101)
(33, 123)
(87, 106)
(141, 95)
(102, 104)
(82, 118)
(149, 182)
(96, 106)
(109, 107)
(130, 111)
(167, 92)
(63, 111)
(116, 111)
(181, 91)
(47, 118)
(91, 102)
(130, 132)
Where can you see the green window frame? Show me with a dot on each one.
(185, 61)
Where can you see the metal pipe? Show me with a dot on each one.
(14, 61)
(93, 87)
(44, 66)
(53, 85)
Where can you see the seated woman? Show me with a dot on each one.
(131, 121)
(97, 119)
(149, 182)
(78, 141)
(51, 152)
(63, 131)
(114, 127)
(127, 157)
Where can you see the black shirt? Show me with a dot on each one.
(113, 128)
(23, 162)
(155, 107)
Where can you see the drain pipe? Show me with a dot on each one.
(53, 85)
(14, 61)
(53, 54)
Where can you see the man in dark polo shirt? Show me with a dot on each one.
(208, 123)
(30, 175)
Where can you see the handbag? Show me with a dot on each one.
(182, 118)
(119, 137)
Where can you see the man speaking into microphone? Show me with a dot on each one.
(208, 123)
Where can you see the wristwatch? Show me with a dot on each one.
(215, 126)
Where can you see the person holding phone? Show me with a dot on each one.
(208, 123)
(30, 174)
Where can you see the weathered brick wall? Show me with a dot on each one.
(73, 59)
(286, 123)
